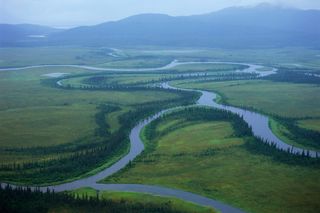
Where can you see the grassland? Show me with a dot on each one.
(204, 157)
(155, 56)
(312, 124)
(11, 57)
(208, 159)
(36, 116)
(287, 57)
(127, 78)
(40, 111)
(131, 197)
(36, 126)
(101, 57)
(281, 99)
(16, 94)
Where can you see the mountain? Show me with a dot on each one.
(23, 33)
(237, 27)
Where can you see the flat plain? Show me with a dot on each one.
(53, 134)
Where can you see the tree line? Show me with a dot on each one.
(303, 76)
(99, 82)
(25, 200)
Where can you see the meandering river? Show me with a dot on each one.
(258, 123)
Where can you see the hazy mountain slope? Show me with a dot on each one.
(22, 33)
(263, 25)
(237, 27)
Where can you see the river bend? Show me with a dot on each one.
(258, 123)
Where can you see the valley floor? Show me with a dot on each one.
(53, 133)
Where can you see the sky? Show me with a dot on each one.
(71, 13)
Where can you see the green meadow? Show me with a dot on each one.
(292, 57)
(51, 134)
(12, 57)
(36, 116)
(207, 158)
(36, 126)
(312, 124)
(142, 57)
(282, 99)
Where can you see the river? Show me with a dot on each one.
(258, 123)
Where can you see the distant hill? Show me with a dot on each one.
(236, 27)
(23, 33)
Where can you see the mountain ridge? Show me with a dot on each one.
(235, 27)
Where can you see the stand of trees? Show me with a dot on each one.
(257, 146)
(94, 82)
(99, 82)
(300, 135)
(25, 200)
(229, 77)
(303, 76)
(100, 117)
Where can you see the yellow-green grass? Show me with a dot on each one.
(46, 126)
(37, 115)
(178, 138)
(11, 57)
(312, 124)
(23, 89)
(132, 197)
(22, 94)
(231, 174)
(170, 124)
(282, 99)
(39, 73)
